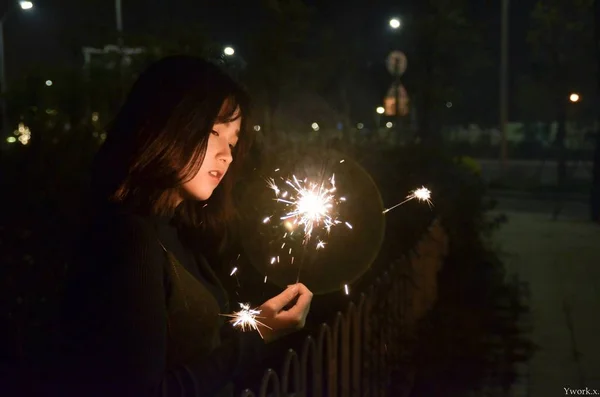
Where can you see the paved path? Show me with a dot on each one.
(561, 262)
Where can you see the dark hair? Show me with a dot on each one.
(158, 141)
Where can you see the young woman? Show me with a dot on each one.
(141, 307)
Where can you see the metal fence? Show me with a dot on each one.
(366, 350)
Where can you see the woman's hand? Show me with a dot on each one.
(281, 321)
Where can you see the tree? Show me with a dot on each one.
(441, 42)
(276, 68)
(561, 42)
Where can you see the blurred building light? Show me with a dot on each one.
(49, 83)
(395, 23)
(95, 116)
(574, 97)
(360, 126)
(24, 133)
(389, 124)
(26, 5)
(315, 126)
(229, 51)
(448, 105)
(11, 139)
(380, 110)
(257, 128)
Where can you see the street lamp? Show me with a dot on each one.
(574, 97)
(229, 51)
(395, 23)
(25, 5)
(380, 110)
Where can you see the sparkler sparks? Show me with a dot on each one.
(246, 319)
(421, 194)
(312, 206)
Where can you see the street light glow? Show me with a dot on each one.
(574, 98)
(229, 51)
(26, 5)
(49, 83)
(380, 110)
(395, 23)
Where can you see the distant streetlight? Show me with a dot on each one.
(315, 126)
(49, 83)
(229, 51)
(25, 5)
(380, 110)
(395, 23)
(574, 97)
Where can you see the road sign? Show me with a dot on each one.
(396, 63)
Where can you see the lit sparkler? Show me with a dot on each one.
(312, 206)
(421, 194)
(246, 319)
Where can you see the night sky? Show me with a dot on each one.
(45, 36)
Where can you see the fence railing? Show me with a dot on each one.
(363, 351)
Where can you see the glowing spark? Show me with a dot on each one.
(265, 279)
(267, 219)
(341, 161)
(421, 194)
(277, 258)
(283, 245)
(246, 318)
(320, 244)
(233, 271)
(273, 260)
(276, 169)
(346, 289)
(312, 206)
(271, 183)
(348, 225)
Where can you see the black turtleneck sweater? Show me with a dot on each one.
(140, 315)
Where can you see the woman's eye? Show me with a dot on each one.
(215, 133)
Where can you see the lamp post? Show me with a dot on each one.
(25, 5)
(504, 84)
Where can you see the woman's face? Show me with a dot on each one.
(217, 159)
